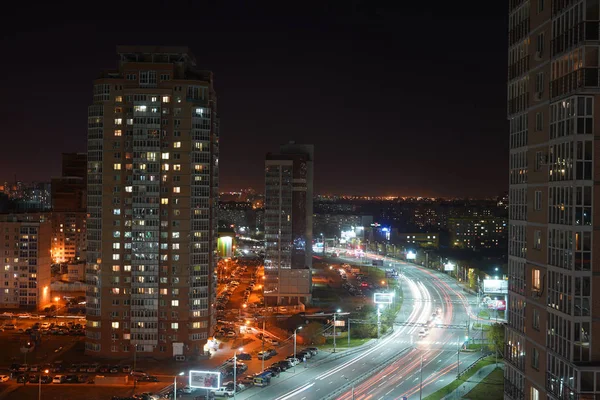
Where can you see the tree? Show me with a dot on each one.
(312, 333)
(496, 337)
(472, 278)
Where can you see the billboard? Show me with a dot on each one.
(411, 255)
(205, 379)
(383, 298)
(499, 305)
(495, 286)
(449, 267)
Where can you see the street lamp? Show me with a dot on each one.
(295, 330)
(378, 319)
(235, 370)
(175, 385)
(348, 380)
(40, 384)
(334, 319)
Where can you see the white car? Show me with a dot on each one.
(4, 378)
(227, 391)
(188, 390)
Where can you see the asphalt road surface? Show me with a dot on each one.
(424, 291)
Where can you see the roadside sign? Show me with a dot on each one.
(205, 379)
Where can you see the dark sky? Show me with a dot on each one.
(398, 97)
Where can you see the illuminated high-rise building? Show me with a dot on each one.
(288, 225)
(553, 101)
(152, 200)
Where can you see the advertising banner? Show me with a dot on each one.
(495, 286)
(205, 379)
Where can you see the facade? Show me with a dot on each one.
(69, 189)
(419, 239)
(152, 199)
(477, 232)
(69, 236)
(288, 225)
(76, 272)
(25, 243)
(553, 101)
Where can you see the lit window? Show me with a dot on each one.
(177, 145)
(177, 189)
(175, 235)
(127, 268)
(166, 99)
(129, 189)
(154, 99)
(117, 234)
(175, 246)
(164, 156)
(117, 211)
(163, 291)
(118, 132)
(118, 99)
(118, 121)
(117, 167)
(165, 167)
(174, 325)
(139, 108)
(176, 167)
(175, 303)
(164, 201)
(535, 394)
(116, 246)
(114, 325)
(116, 256)
(115, 290)
(129, 121)
(116, 268)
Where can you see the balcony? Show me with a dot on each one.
(518, 32)
(513, 391)
(581, 78)
(518, 68)
(587, 30)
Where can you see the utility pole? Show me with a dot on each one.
(348, 331)
(263, 347)
(458, 358)
(334, 320)
(378, 320)
(421, 380)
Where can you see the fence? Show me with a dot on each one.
(461, 373)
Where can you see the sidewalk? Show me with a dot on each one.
(473, 381)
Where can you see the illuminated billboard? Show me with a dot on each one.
(205, 379)
(225, 246)
(411, 255)
(383, 298)
(495, 286)
(449, 267)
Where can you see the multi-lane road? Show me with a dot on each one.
(410, 364)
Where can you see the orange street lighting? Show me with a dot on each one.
(245, 305)
(57, 298)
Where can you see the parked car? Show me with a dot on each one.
(313, 350)
(126, 369)
(4, 378)
(188, 390)
(148, 378)
(46, 379)
(58, 379)
(248, 380)
(227, 391)
(244, 356)
(264, 355)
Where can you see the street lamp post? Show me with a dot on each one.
(40, 384)
(334, 320)
(235, 371)
(348, 380)
(175, 385)
(295, 333)
(378, 320)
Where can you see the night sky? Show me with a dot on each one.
(402, 98)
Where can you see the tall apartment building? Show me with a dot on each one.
(69, 236)
(153, 153)
(69, 189)
(25, 246)
(288, 225)
(553, 101)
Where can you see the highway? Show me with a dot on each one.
(402, 351)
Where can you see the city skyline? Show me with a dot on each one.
(283, 77)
